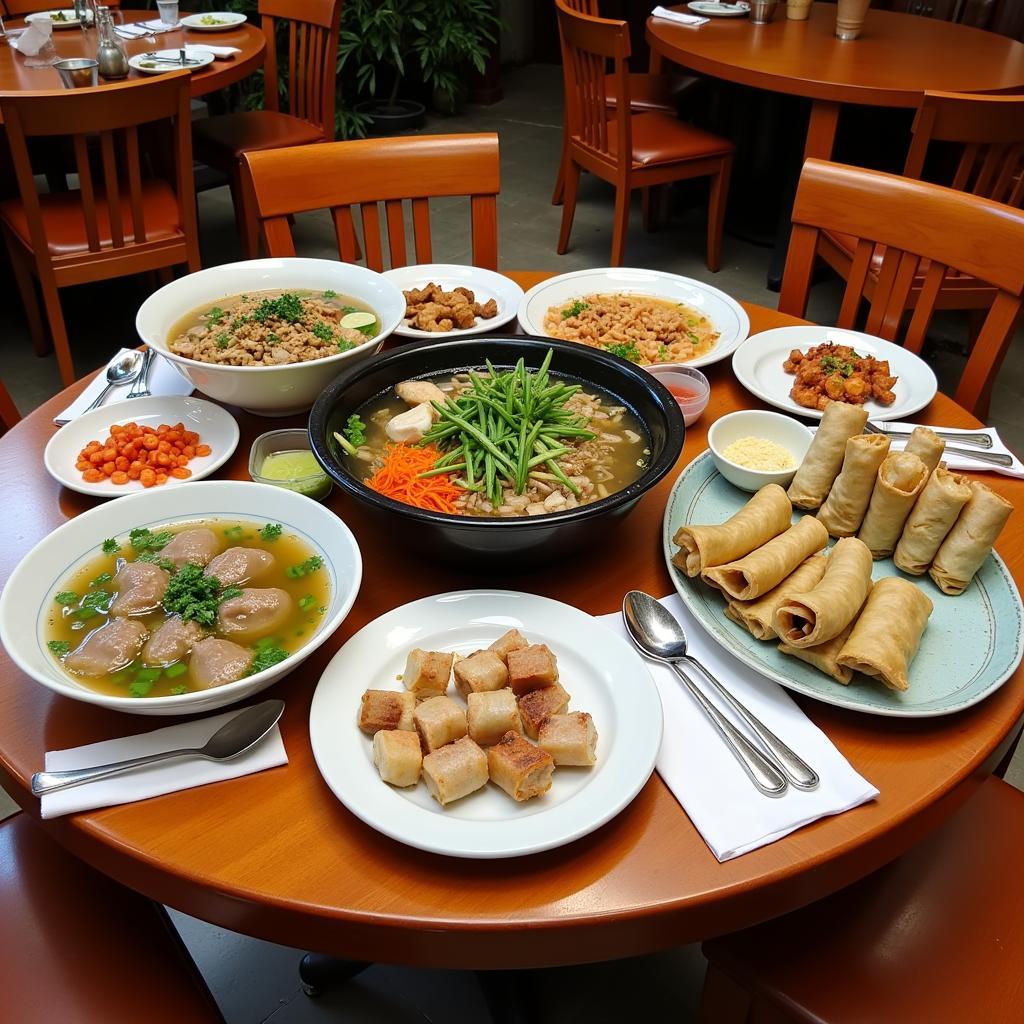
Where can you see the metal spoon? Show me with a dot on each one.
(121, 371)
(233, 738)
(655, 633)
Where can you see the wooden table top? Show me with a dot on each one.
(73, 42)
(896, 59)
(277, 856)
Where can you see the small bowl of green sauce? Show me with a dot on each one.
(284, 458)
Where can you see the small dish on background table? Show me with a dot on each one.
(213, 21)
(159, 62)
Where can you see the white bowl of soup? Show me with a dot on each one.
(270, 334)
(181, 601)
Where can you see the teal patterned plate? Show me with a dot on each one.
(972, 645)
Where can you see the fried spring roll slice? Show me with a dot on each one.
(454, 771)
(768, 566)
(901, 479)
(427, 672)
(824, 657)
(766, 515)
(386, 709)
(518, 767)
(513, 640)
(758, 616)
(537, 706)
(493, 714)
(847, 502)
(932, 518)
(885, 638)
(531, 668)
(439, 720)
(480, 672)
(398, 756)
(967, 545)
(570, 739)
(927, 446)
(806, 620)
(821, 464)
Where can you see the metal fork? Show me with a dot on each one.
(981, 440)
(992, 458)
(140, 389)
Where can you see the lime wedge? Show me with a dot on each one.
(357, 320)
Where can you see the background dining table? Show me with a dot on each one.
(276, 855)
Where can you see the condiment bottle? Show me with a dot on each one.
(111, 57)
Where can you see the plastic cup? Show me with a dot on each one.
(689, 387)
(168, 11)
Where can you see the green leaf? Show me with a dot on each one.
(59, 647)
(110, 546)
(271, 531)
(66, 597)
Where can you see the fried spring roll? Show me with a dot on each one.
(820, 467)
(847, 502)
(927, 446)
(967, 545)
(901, 479)
(758, 616)
(824, 657)
(932, 518)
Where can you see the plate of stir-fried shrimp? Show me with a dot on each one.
(802, 369)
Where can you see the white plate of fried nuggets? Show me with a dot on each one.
(486, 724)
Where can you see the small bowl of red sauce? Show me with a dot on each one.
(689, 387)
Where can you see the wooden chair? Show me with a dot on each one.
(935, 936)
(629, 150)
(124, 218)
(80, 949)
(915, 221)
(341, 175)
(9, 414)
(220, 142)
(647, 92)
(988, 132)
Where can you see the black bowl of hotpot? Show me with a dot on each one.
(515, 539)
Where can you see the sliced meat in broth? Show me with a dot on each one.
(172, 641)
(108, 648)
(192, 547)
(255, 612)
(240, 565)
(140, 588)
(215, 662)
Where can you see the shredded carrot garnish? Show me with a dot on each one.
(398, 478)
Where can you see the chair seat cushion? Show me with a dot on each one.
(220, 141)
(64, 222)
(662, 139)
(652, 92)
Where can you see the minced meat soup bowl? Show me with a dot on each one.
(502, 450)
(182, 601)
(270, 334)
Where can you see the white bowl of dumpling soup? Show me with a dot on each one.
(181, 601)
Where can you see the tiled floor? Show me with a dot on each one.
(256, 981)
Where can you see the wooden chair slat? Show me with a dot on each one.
(796, 279)
(975, 388)
(370, 216)
(925, 307)
(396, 232)
(345, 233)
(484, 219)
(850, 308)
(135, 183)
(112, 188)
(278, 236)
(991, 164)
(271, 95)
(903, 280)
(85, 186)
(421, 231)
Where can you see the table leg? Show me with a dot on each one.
(821, 137)
(656, 62)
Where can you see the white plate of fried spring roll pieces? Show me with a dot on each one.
(485, 724)
(931, 633)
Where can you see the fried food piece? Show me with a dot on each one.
(570, 739)
(480, 672)
(397, 756)
(838, 373)
(531, 668)
(518, 767)
(439, 721)
(537, 706)
(427, 672)
(438, 311)
(454, 771)
(386, 709)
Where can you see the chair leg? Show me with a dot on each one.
(716, 213)
(55, 318)
(245, 217)
(572, 183)
(559, 193)
(650, 203)
(165, 275)
(723, 1001)
(620, 226)
(29, 301)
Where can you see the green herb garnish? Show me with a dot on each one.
(267, 657)
(287, 307)
(179, 668)
(223, 339)
(94, 603)
(353, 436)
(59, 647)
(110, 546)
(833, 364)
(234, 532)
(330, 294)
(66, 597)
(663, 352)
(574, 308)
(307, 602)
(143, 681)
(144, 540)
(344, 345)
(178, 690)
(230, 592)
(322, 331)
(193, 596)
(214, 316)
(154, 559)
(304, 568)
(271, 531)
(625, 350)
(104, 577)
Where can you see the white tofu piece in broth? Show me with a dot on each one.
(570, 739)
(537, 706)
(454, 771)
(531, 668)
(480, 672)
(386, 709)
(398, 756)
(427, 673)
(439, 720)
(409, 427)
(518, 767)
(491, 715)
(513, 640)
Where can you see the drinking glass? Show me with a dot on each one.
(168, 12)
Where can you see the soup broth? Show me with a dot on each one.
(85, 603)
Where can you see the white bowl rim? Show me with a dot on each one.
(756, 412)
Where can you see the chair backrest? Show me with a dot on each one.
(915, 220)
(588, 44)
(9, 414)
(313, 27)
(103, 126)
(990, 132)
(341, 175)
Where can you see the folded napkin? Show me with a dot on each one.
(961, 462)
(155, 779)
(704, 776)
(138, 29)
(678, 18)
(36, 37)
(164, 379)
(221, 52)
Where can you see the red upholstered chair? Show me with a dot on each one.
(626, 149)
(79, 949)
(934, 938)
(134, 209)
(221, 141)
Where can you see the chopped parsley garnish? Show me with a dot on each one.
(350, 309)
(663, 352)
(66, 597)
(344, 345)
(104, 577)
(230, 592)
(271, 531)
(179, 668)
(59, 647)
(143, 681)
(193, 596)
(574, 308)
(144, 540)
(330, 294)
(625, 350)
(110, 546)
(267, 657)
(154, 559)
(223, 339)
(94, 603)
(178, 690)
(215, 315)
(354, 434)
(234, 532)
(287, 307)
(322, 331)
(240, 321)
(304, 568)
(833, 364)
(307, 602)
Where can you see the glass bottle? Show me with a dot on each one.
(111, 57)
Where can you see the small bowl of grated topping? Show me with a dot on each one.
(752, 448)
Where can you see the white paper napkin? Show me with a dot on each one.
(154, 780)
(34, 38)
(715, 791)
(222, 52)
(960, 462)
(689, 20)
(164, 379)
(138, 29)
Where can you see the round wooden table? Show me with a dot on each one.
(73, 42)
(277, 856)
